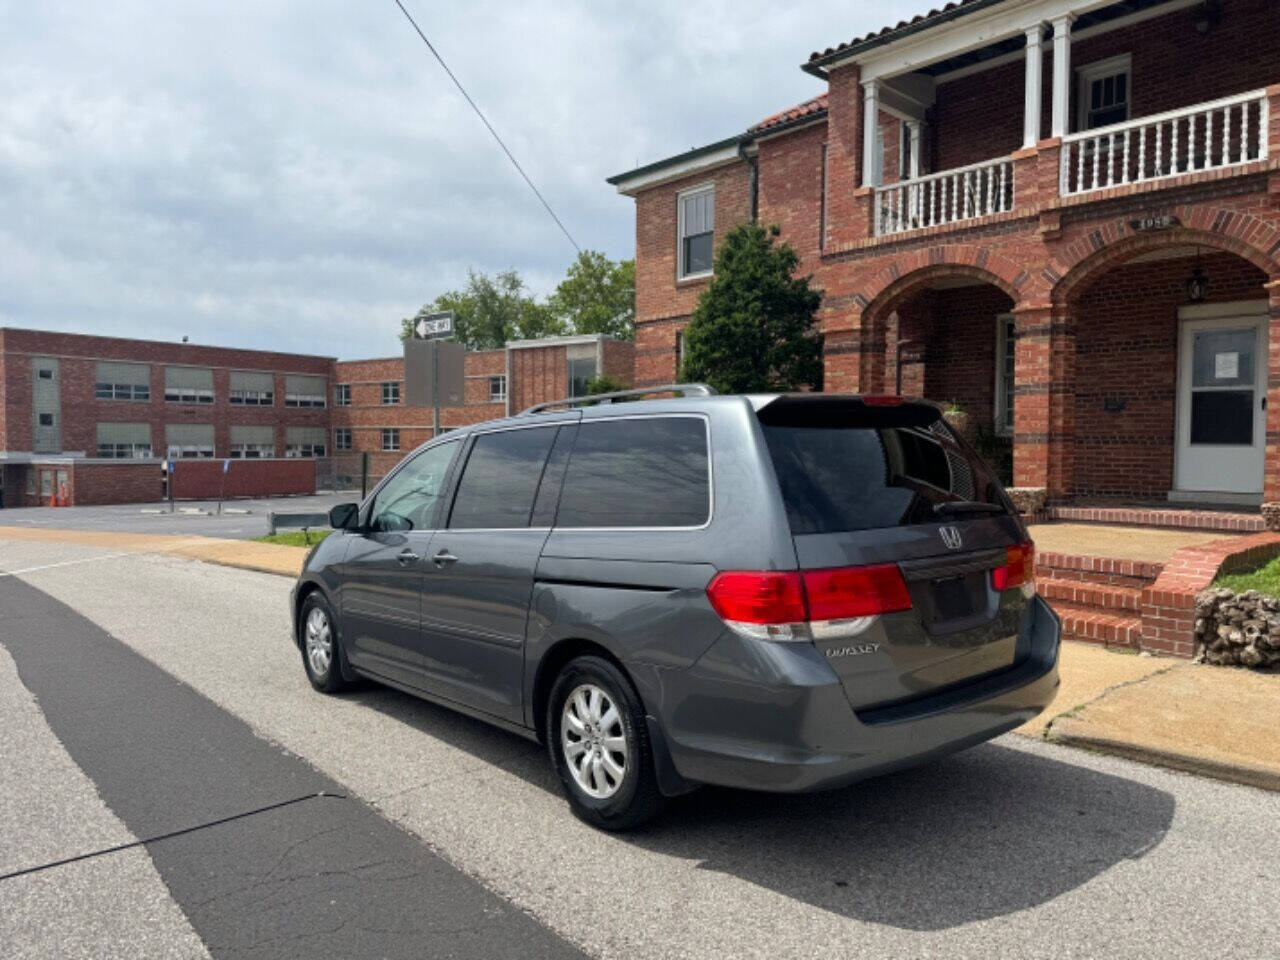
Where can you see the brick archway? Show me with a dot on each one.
(922, 267)
(1229, 231)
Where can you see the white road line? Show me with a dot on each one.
(103, 556)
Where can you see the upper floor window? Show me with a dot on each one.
(390, 438)
(498, 389)
(342, 438)
(391, 392)
(252, 388)
(342, 395)
(188, 385)
(1104, 92)
(303, 391)
(697, 215)
(122, 381)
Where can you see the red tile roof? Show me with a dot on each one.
(902, 25)
(807, 109)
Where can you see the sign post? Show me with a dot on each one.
(170, 463)
(436, 329)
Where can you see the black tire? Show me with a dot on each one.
(632, 798)
(329, 679)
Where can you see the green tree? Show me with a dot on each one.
(754, 327)
(604, 384)
(597, 295)
(489, 311)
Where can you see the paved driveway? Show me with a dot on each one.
(240, 519)
(156, 693)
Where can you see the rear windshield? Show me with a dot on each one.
(846, 466)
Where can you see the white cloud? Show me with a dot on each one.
(299, 175)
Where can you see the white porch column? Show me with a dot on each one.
(1061, 74)
(913, 131)
(870, 119)
(1031, 106)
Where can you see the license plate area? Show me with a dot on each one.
(952, 598)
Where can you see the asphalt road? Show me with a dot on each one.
(239, 519)
(146, 695)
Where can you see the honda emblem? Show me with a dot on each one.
(950, 537)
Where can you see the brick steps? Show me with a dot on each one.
(1094, 625)
(1098, 598)
(1181, 519)
(1112, 599)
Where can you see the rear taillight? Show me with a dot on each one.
(783, 606)
(882, 401)
(760, 598)
(847, 592)
(1019, 567)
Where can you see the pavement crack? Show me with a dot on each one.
(1080, 707)
(182, 831)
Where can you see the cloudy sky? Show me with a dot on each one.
(300, 175)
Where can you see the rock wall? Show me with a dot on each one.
(1237, 629)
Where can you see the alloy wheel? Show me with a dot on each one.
(593, 741)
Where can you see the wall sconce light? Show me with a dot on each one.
(1206, 16)
(1197, 283)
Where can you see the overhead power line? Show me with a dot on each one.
(489, 126)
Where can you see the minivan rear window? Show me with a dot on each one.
(848, 466)
(637, 472)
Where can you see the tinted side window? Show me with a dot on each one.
(501, 478)
(544, 508)
(410, 497)
(646, 472)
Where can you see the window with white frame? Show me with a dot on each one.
(342, 395)
(390, 438)
(122, 381)
(252, 442)
(124, 441)
(188, 385)
(1104, 91)
(498, 388)
(303, 391)
(251, 388)
(391, 392)
(342, 438)
(1006, 342)
(189, 439)
(304, 441)
(697, 216)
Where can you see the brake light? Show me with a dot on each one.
(759, 598)
(882, 401)
(1019, 567)
(772, 605)
(847, 592)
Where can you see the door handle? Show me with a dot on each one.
(443, 557)
(406, 557)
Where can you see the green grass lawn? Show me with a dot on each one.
(296, 538)
(1266, 579)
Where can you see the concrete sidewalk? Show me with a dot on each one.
(1215, 721)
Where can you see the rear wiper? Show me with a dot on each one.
(952, 507)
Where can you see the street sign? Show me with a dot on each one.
(226, 465)
(434, 373)
(434, 326)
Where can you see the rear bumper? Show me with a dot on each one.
(766, 716)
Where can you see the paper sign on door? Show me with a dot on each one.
(1226, 366)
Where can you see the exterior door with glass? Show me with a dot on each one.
(1222, 396)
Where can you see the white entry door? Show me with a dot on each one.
(1222, 390)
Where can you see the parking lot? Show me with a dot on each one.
(158, 699)
(233, 519)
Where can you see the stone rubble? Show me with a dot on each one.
(1237, 629)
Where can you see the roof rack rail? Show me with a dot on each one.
(684, 389)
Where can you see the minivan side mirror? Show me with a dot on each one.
(345, 516)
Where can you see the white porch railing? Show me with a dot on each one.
(1207, 136)
(977, 190)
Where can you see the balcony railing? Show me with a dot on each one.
(1208, 136)
(946, 197)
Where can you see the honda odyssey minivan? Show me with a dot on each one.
(782, 592)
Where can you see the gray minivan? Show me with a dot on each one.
(783, 592)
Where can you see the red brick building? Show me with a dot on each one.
(1064, 216)
(89, 419)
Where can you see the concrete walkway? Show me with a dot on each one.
(1215, 721)
(1146, 544)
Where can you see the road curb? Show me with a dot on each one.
(1260, 777)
